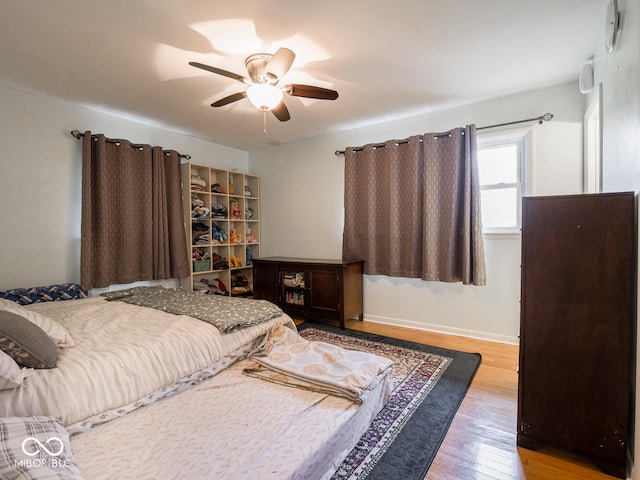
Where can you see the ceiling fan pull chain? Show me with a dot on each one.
(264, 122)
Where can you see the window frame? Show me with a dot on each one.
(522, 139)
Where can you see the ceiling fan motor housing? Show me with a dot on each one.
(257, 68)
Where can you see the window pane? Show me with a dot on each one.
(499, 208)
(498, 165)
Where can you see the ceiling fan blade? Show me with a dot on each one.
(219, 71)
(310, 91)
(280, 63)
(230, 99)
(281, 112)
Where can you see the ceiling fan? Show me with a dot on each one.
(265, 71)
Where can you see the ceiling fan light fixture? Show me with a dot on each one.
(264, 97)
(265, 71)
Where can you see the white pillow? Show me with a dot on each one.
(53, 329)
(36, 448)
(11, 375)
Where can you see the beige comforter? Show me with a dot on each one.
(123, 354)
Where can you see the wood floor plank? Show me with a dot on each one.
(481, 442)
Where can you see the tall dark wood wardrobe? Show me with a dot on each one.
(577, 326)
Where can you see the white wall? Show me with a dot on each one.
(301, 196)
(40, 181)
(619, 75)
(302, 187)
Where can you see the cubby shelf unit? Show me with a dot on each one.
(222, 225)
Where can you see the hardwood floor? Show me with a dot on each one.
(481, 442)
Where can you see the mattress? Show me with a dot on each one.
(230, 427)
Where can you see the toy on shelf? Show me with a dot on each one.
(248, 213)
(249, 256)
(235, 261)
(247, 192)
(250, 237)
(235, 209)
(234, 236)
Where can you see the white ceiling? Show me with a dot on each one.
(386, 59)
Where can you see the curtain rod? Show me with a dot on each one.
(542, 118)
(78, 134)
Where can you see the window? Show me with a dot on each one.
(502, 161)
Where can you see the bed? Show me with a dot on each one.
(138, 392)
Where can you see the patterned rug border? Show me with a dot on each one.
(415, 445)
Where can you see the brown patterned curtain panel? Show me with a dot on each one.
(412, 208)
(132, 218)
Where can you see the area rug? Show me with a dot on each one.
(428, 386)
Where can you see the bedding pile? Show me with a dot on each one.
(98, 361)
(225, 313)
(123, 357)
(286, 358)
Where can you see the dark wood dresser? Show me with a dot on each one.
(577, 326)
(310, 288)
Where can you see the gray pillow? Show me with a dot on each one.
(26, 342)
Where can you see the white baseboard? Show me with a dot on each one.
(461, 332)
